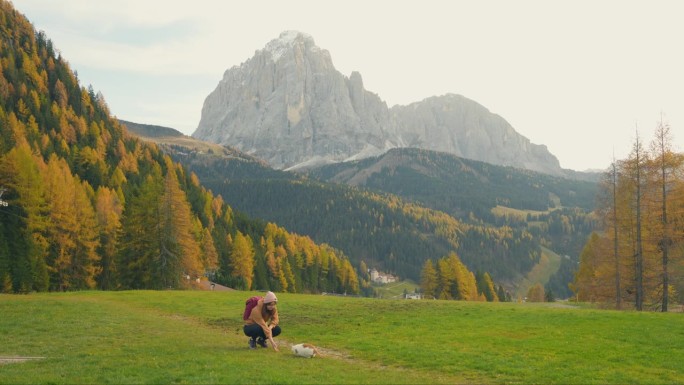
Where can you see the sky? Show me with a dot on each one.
(582, 77)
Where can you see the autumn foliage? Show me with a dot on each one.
(637, 260)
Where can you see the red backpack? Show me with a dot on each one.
(249, 305)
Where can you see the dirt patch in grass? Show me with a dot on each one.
(17, 359)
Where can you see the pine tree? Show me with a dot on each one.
(179, 255)
(140, 238)
(485, 286)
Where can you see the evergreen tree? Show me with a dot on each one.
(140, 238)
(180, 254)
(109, 211)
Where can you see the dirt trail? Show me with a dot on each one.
(17, 359)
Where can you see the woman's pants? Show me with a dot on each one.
(256, 331)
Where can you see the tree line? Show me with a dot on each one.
(449, 279)
(637, 260)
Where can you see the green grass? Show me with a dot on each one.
(395, 290)
(196, 337)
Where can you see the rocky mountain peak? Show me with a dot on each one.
(287, 41)
(289, 106)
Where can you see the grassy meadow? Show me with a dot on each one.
(395, 290)
(196, 337)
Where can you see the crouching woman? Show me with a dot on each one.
(262, 323)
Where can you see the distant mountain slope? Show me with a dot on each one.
(456, 185)
(389, 233)
(556, 211)
(289, 106)
(167, 137)
(150, 131)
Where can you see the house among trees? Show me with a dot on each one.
(382, 278)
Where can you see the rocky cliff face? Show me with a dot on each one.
(457, 125)
(289, 106)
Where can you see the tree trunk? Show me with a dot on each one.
(639, 255)
(618, 293)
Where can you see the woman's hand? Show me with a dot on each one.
(273, 343)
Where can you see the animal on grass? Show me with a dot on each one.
(305, 350)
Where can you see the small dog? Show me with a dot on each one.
(305, 350)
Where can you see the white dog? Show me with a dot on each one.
(305, 350)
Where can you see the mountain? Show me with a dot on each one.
(457, 185)
(289, 106)
(457, 125)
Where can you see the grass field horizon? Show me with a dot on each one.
(196, 337)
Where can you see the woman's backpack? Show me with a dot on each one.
(249, 305)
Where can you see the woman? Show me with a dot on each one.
(262, 323)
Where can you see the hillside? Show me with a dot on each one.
(555, 211)
(397, 235)
(91, 206)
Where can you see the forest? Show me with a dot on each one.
(399, 218)
(636, 260)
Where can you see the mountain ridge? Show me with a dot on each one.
(289, 106)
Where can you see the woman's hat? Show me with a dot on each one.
(270, 297)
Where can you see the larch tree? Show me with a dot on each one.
(668, 165)
(21, 176)
(616, 239)
(73, 233)
(635, 167)
(429, 280)
(242, 259)
(446, 279)
(465, 279)
(210, 257)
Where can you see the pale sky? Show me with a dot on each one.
(580, 76)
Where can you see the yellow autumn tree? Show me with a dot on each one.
(242, 259)
(109, 210)
(73, 259)
(428, 280)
